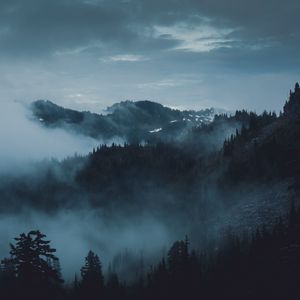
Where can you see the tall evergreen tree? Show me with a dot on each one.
(92, 284)
(35, 275)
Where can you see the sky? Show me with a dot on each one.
(89, 54)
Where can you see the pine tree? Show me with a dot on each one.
(92, 283)
(30, 256)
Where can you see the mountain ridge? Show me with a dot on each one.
(132, 121)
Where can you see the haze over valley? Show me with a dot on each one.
(149, 150)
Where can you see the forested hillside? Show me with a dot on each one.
(133, 122)
(231, 185)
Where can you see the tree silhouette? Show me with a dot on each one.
(92, 284)
(33, 259)
(178, 256)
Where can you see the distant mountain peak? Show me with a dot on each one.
(132, 120)
(146, 105)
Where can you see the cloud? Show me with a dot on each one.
(108, 50)
(73, 239)
(176, 81)
(44, 27)
(24, 141)
(196, 38)
(124, 58)
(39, 27)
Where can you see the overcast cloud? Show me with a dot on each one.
(88, 54)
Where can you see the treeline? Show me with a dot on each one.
(255, 122)
(264, 147)
(262, 265)
(268, 146)
(252, 123)
(160, 163)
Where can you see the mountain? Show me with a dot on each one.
(228, 185)
(132, 121)
(233, 174)
(245, 162)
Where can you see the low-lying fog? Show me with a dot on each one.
(23, 140)
(148, 233)
(74, 233)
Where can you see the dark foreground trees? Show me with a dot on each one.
(263, 265)
(32, 271)
(92, 284)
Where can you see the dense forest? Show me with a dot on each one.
(256, 265)
(228, 188)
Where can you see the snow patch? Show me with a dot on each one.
(155, 130)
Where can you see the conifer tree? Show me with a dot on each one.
(92, 283)
(31, 256)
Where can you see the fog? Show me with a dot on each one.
(143, 218)
(74, 233)
(24, 141)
